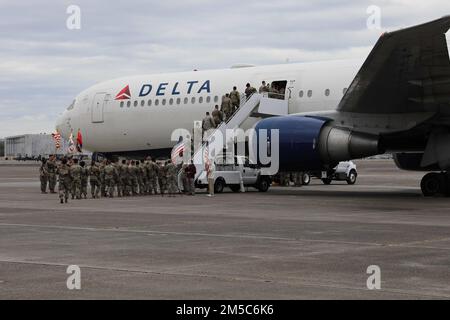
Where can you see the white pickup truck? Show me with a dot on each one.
(231, 175)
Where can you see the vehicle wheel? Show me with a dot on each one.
(219, 186)
(352, 177)
(263, 185)
(327, 181)
(433, 184)
(235, 188)
(306, 179)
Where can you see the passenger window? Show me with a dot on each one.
(135, 103)
(164, 102)
(178, 100)
(186, 100)
(208, 99)
(327, 92)
(129, 104)
(122, 104)
(156, 102)
(301, 94)
(149, 103)
(310, 93)
(171, 101)
(200, 100)
(142, 103)
(193, 100)
(216, 99)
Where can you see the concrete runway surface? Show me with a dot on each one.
(314, 242)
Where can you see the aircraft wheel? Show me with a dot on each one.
(433, 184)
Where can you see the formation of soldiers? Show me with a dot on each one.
(108, 178)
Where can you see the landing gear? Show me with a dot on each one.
(434, 184)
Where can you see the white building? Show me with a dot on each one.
(32, 145)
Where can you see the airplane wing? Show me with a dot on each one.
(407, 71)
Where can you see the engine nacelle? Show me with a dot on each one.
(309, 143)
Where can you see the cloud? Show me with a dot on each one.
(43, 65)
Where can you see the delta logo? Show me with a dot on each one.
(124, 94)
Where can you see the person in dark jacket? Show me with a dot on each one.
(190, 171)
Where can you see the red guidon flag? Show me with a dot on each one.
(79, 141)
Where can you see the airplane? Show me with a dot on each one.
(395, 101)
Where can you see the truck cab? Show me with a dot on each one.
(235, 173)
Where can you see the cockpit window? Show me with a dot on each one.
(71, 106)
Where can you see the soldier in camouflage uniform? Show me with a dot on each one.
(133, 173)
(152, 176)
(94, 180)
(141, 176)
(64, 180)
(51, 166)
(162, 179)
(235, 97)
(172, 179)
(102, 178)
(84, 179)
(110, 178)
(123, 177)
(43, 175)
(75, 173)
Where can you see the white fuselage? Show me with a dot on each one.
(161, 103)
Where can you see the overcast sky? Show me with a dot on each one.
(44, 65)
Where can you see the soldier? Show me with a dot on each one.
(94, 180)
(142, 180)
(172, 179)
(162, 179)
(207, 124)
(227, 106)
(191, 170)
(43, 175)
(123, 177)
(64, 180)
(263, 89)
(273, 92)
(51, 166)
(110, 178)
(75, 173)
(249, 90)
(70, 165)
(133, 173)
(84, 179)
(102, 178)
(235, 97)
(217, 115)
(152, 173)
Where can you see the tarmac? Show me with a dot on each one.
(313, 242)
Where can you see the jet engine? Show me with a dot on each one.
(314, 143)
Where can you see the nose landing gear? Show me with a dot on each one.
(434, 184)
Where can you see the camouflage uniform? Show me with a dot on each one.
(141, 177)
(152, 176)
(94, 180)
(110, 178)
(84, 181)
(227, 107)
(64, 182)
(124, 178)
(162, 179)
(102, 179)
(133, 174)
(51, 166)
(75, 173)
(119, 182)
(235, 97)
(172, 179)
(43, 176)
